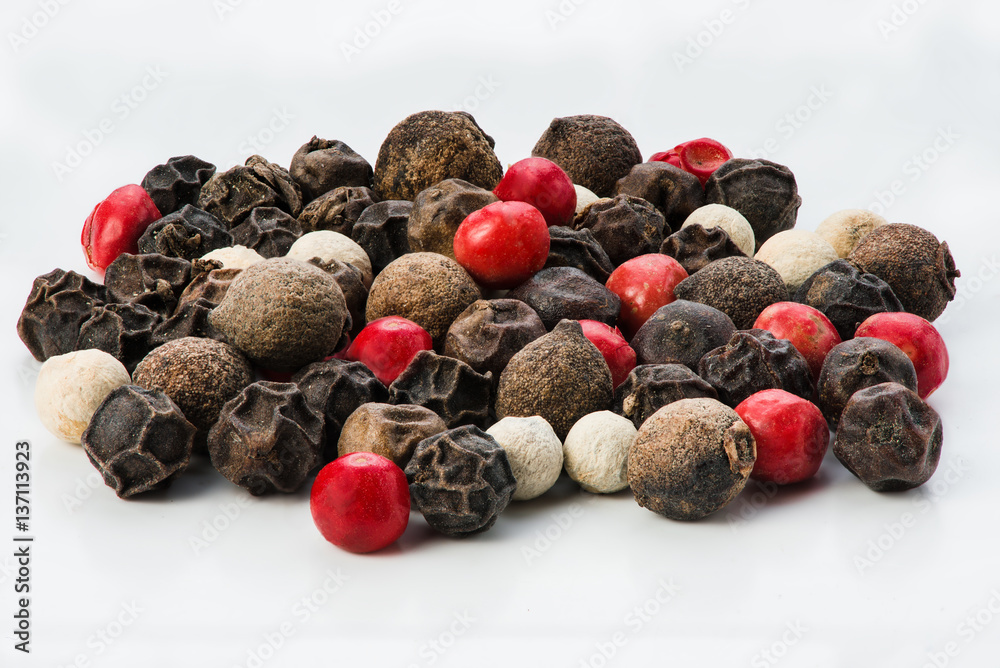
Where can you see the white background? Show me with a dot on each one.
(827, 574)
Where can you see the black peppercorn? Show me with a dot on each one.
(488, 333)
(188, 234)
(439, 210)
(753, 360)
(177, 182)
(579, 249)
(566, 293)
(267, 230)
(149, 279)
(321, 165)
(649, 387)
(740, 287)
(674, 192)
(124, 331)
(624, 226)
(763, 191)
(856, 364)
(381, 230)
(58, 304)
(694, 246)
(847, 296)
(233, 194)
(337, 210)
(447, 386)
(681, 332)
(393, 431)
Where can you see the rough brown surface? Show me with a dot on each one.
(320, 165)
(674, 192)
(566, 293)
(150, 279)
(449, 387)
(233, 194)
(560, 376)
(578, 249)
(594, 151)
(488, 333)
(681, 332)
(58, 304)
(754, 360)
(392, 431)
(624, 226)
(740, 287)
(439, 210)
(267, 230)
(763, 191)
(847, 296)
(337, 210)
(649, 387)
(208, 285)
(381, 231)
(690, 458)
(856, 364)
(694, 247)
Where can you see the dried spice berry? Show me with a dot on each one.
(596, 452)
(268, 230)
(393, 431)
(324, 246)
(210, 286)
(58, 304)
(283, 313)
(199, 375)
(188, 234)
(233, 194)
(190, 319)
(150, 279)
(320, 165)
(856, 364)
(439, 210)
(763, 191)
(124, 331)
(336, 389)
(267, 439)
(382, 231)
(690, 458)
(694, 246)
(177, 182)
(427, 288)
(847, 296)
(447, 386)
(753, 360)
(560, 376)
(460, 480)
(844, 229)
(488, 333)
(727, 218)
(649, 387)
(337, 210)
(889, 438)
(234, 257)
(579, 249)
(625, 226)
(594, 151)
(796, 255)
(674, 192)
(351, 282)
(138, 440)
(430, 146)
(740, 287)
(919, 269)
(70, 387)
(681, 332)
(566, 293)
(534, 451)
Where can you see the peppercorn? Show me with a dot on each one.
(595, 453)
(351, 282)
(58, 304)
(447, 386)
(694, 246)
(796, 255)
(188, 233)
(390, 430)
(625, 227)
(439, 210)
(763, 191)
(594, 151)
(754, 360)
(177, 182)
(150, 279)
(190, 319)
(124, 331)
(337, 210)
(488, 333)
(209, 285)
(847, 296)
(579, 249)
(235, 257)
(326, 246)
(381, 232)
(70, 387)
(269, 231)
(856, 364)
(649, 387)
(674, 192)
(730, 220)
(844, 229)
(681, 332)
(566, 293)
(233, 194)
(320, 165)
(534, 452)
(740, 287)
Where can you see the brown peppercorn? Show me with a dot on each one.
(856, 364)
(560, 376)
(188, 234)
(624, 226)
(267, 230)
(320, 165)
(177, 182)
(439, 210)
(695, 246)
(124, 331)
(282, 313)
(460, 480)
(579, 249)
(594, 151)
(740, 287)
(889, 438)
(763, 191)
(919, 269)
(392, 431)
(427, 288)
(690, 458)
(681, 332)
(447, 386)
(138, 440)
(847, 296)
(430, 146)
(337, 210)
(233, 194)
(381, 231)
(210, 286)
(267, 439)
(752, 361)
(566, 293)
(150, 279)
(190, 319)
(674, 192)
(488, 333)
(649, 387)
(58, 304)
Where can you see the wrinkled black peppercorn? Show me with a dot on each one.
(188, 233)
(177, 182)
(488, 333)
(763, 191)
(694, 247)
(625, 226)
(321, 165)
(847, 296)
(753, 360)
(856, 364)
(58, 304)
(681, 332)
(566, 293)
(337, 210)
(447, 386)
(674, 192)
(268, 230)
(233, 194)
(124, 331)
(439, 210)
(649, 387)
(149, 279)
(579, 249)
(381, 231)
(190, 319)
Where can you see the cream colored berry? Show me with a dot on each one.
(534, 452)
(70, 387)
(730, 220)
(596, 451)
(796, 255)
(328, 245)
(234, 257)
(584, 198)
(844, 229)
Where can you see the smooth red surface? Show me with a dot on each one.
(702, 157)
(670, 157)
(360, 502)
(613, 346)
(644, 284)
(388, 345)
(115, 225)
(503, 244)
(791, 435)
(807, 328)
(542, 184)
(916, 337)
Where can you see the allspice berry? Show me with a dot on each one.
(430, 146)
(560, 377)
(740, 287)
(283, 313)
(427, 288)
(919, 269)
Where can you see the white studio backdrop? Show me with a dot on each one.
(885, 104)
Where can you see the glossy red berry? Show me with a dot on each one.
(542, 184)
(503, 244)
(644, 284)
(702, 157)
(807, 328)
(115, 225)
(388, 345)
(791, 435)
(613, 346)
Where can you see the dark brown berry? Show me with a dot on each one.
(337, 210)
(490, 332)
(625, 226)
(233, 194)
(753, 360)
(58, 304)
(856, 364)
(177, 182)
(681, 332)
(187, 233)
(649, 387)
(381, 231)
(320, 165)
(439, 210)
(150, 279)
(674, 192)
(566, 293)
(694, 247)
(740, 287)
(267, 230)
(594, 151)
(763, 191)
(579, 249)
(847, 296)
(447, 386)
(124, 331)
(393, 431)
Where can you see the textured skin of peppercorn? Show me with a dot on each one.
(390, 430)
(650, 387)
(566, 293)
(57, 306)
(447, 386)
(674, 192)
(916, 337)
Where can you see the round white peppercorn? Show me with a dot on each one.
(70, 387)
(534, 451)
(584, 198)
(329, 245)
(234, 257)
(729, 219)
(596, 451)
(796, 255)
(844, 229)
